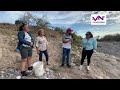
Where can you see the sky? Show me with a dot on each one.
(79, 21)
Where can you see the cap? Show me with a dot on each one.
(69, 30)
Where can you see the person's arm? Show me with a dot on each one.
(64, 41)
(94, 45)
(32, 40)
(82, 43)
(71, 39)
(36, 45)
(21, 38)
(46, 43)
(37, 49)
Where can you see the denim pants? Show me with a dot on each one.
(66, 55)
(45, 53)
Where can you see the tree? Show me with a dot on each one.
(113, 37)
(76, 39)
(59, 29)
(26, 18)
(43, 23)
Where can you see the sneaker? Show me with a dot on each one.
(29, 72)
(62, 65)
(23, 73)
(47, 64)
(88, 68)
(80, 67)
(30, 68)
(68, 65)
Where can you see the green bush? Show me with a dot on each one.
(43, 23)
(60, 30)
(115, 37)
(76, 39)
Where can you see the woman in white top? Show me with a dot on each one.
(42, 45)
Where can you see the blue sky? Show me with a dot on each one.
(79, 21)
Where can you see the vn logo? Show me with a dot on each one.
(98, 19)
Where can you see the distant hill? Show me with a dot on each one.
(114, 37)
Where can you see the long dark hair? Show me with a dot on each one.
(21, 27)
(91, 35)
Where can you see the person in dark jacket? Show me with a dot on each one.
(25, 46)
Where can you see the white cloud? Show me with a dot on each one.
(10, 16)
(66, 17)
(111, 15)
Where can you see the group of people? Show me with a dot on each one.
(26, 44)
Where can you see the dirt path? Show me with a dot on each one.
(102, 67)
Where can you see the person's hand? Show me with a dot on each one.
(38, 52)
(31, 44)
(94, 51)
(46, 47)
(71, 39)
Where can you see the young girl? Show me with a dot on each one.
(41, 45)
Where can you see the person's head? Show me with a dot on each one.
(41, 32)
(24, 27)
(89, 35)
(69, 31)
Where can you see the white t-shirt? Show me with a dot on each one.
(66, 38)
(27, 38)
(41, 43)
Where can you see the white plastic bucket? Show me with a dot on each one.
(38, 68)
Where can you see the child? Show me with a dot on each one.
(41, 45)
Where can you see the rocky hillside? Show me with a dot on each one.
(112, 48)
(103, 66)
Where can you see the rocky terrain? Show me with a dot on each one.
(112, 48)
(105, 62)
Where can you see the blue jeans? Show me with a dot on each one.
(66, 55)
(45, 53)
